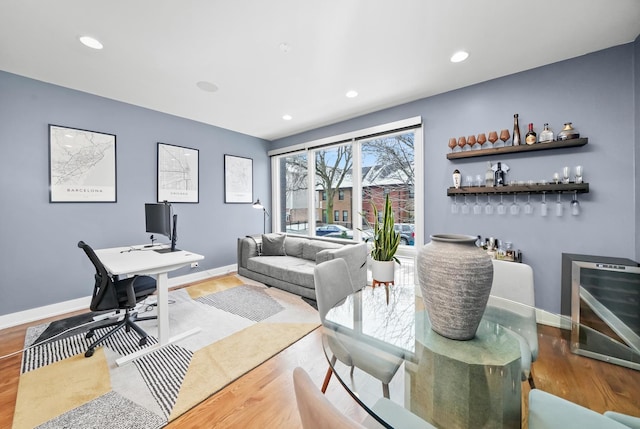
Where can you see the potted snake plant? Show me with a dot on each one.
(385, 244)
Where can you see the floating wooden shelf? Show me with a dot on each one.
(581, 188)
(560, 144)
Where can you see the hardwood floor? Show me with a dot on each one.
(264, 398)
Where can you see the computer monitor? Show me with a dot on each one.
(158, 220)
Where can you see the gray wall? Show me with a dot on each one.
(40, 263)
(596, 93)
(637, 140)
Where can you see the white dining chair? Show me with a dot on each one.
(513, 281)
(625, 419)
(333, 284)
(317, 412)
(547, 411)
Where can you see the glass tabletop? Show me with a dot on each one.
(449, 383)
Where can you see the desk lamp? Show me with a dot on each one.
(258, 205)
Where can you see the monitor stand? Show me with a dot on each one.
(167, 250)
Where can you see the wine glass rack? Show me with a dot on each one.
(549, 188)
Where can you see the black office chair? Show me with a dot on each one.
(117, 294)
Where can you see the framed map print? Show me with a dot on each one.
(82, 166)
(178, 174)
(238, 179)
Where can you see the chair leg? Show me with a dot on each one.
(127, 323)
(138, 329)
(93, 345)
(532, 384)
(327, 376)
(90, 333)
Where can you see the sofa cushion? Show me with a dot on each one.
(286, 268)
(293, 246)
(312, 247)
(273, 244)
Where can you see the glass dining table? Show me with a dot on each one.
(448, 383)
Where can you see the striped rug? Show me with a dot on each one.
(242, 325)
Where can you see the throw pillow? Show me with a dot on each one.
(273, 244)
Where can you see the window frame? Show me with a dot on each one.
(355, 138)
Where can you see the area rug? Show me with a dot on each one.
(242, 325)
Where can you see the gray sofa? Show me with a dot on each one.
(287, 262)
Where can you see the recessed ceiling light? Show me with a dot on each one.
(285, 47)
(90, 42)
(459, 56)
(287, 117)
(207, 86)
(352, 94)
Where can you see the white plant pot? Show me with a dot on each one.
(383, 271)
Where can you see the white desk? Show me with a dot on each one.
(140, 260)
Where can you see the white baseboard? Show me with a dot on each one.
(551, 319)
(33, 314)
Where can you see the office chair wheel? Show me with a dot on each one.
(143, 341)
(89, 353)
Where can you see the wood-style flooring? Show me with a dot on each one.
(264, 397)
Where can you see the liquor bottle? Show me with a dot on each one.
(546, 135)
(457, 178)
(517, 140)
(499, 176)
(568, 132)
(531, 137)
(488, 177)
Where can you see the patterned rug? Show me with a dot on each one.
(242, 325)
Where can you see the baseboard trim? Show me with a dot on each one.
(556, 320)
(52, 310)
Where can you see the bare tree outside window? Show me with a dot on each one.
(332, 167)
(294, 185)
(388, 167)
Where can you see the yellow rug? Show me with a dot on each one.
(242, 325)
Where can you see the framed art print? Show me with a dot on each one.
(82, 166)
(178, 174)
(238, 179)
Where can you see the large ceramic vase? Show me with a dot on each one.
(455, 279)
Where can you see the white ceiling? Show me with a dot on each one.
(390, 51)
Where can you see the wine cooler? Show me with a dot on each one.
(605, 311)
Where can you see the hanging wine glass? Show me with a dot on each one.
(543, 205)
(528, 208)
(465, 206)
(504, 136)
(493, 138)
(488, 208)
(559, 207)
(515, 208)
(502, 209)
(482, 139)
(453, 143)
(575, 205)
(454, 206)
(476, 207)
